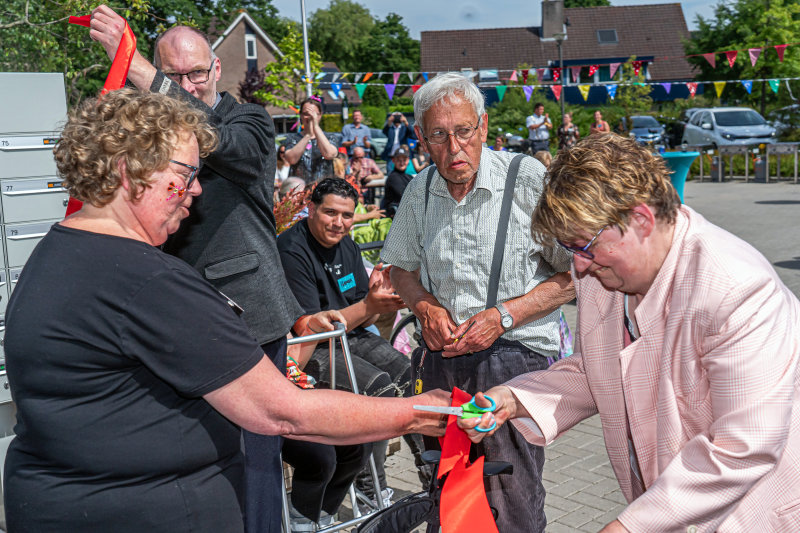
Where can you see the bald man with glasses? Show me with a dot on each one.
(487, 296)
(229, 236)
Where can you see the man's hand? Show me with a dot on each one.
(381, 297)
(505, 410)
(437, 326)
(475, 334)
(323, 321)
(428, 423)
(107, 28)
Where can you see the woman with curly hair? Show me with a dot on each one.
(131, 374)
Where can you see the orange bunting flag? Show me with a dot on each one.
(367, 76)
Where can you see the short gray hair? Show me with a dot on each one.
(202, 36)
(449, 86)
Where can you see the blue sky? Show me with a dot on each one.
(424, 15)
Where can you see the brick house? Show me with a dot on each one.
(595, 36)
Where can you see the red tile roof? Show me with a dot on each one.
(645, 31)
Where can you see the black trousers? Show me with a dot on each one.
(518, 498)
(262, 466)
(322, 474)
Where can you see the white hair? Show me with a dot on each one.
(450, 86)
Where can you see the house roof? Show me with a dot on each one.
(651, 31)
(256, 28)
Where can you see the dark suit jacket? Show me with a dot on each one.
(406, 133)
(229, 236)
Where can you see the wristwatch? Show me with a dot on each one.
(506, 320)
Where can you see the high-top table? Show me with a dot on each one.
(679, 163)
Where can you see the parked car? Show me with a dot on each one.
(674, 127)
(721, 126)
(646, 130)
(378, 143)
(786, 121)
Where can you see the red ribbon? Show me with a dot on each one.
(464, 507)
(116, 75)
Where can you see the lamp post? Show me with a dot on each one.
(305, 48)
(560, 41)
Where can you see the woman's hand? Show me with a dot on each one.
(506, 408)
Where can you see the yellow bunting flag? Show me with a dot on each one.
(584, 89)
(719, 86)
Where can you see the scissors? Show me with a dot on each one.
(467, 410)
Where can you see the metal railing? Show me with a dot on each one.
(341, 332)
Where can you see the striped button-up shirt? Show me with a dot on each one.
(452, 244)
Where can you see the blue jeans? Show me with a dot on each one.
(518, 498)
(262, 466)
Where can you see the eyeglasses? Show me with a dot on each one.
(195, 76)
(191, 177)
(583, 251)
(462, 134)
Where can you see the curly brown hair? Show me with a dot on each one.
(138, 128)
(597, 183)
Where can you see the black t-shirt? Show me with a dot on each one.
(110, 345)
(396, 184)
(322, 278)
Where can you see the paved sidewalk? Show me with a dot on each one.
(582, 492)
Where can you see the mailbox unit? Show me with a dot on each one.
(33, 108)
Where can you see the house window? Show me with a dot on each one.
(250, 46)
(607, 37)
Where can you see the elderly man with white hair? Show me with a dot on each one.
(487, 296)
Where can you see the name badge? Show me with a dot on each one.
(347, 282)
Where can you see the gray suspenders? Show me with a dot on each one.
(502, 226)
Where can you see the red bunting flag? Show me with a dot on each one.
(731, 55)
(524, 76)
(415, 88)
(593, 69)
(754, 53)
(556, 73)
(712, 59)
(692, 89)
(117, 75)
(637, 66)
(780, 48)
(556, 91)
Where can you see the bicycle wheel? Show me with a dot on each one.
(408, 324)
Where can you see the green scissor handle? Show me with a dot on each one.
(472, 410)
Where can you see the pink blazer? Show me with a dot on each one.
(709, 390)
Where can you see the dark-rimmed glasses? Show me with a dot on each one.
(583, 251)
(196, 76)
(191, 177)
(462, 134)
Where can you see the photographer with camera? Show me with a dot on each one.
(399, 133)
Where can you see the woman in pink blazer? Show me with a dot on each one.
(688, 348)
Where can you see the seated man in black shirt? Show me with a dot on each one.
(396, 182)
(325, 271)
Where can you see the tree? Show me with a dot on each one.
(347, 34)
(741, 25)
(284, 79)
(340, 32)
(586, 3)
